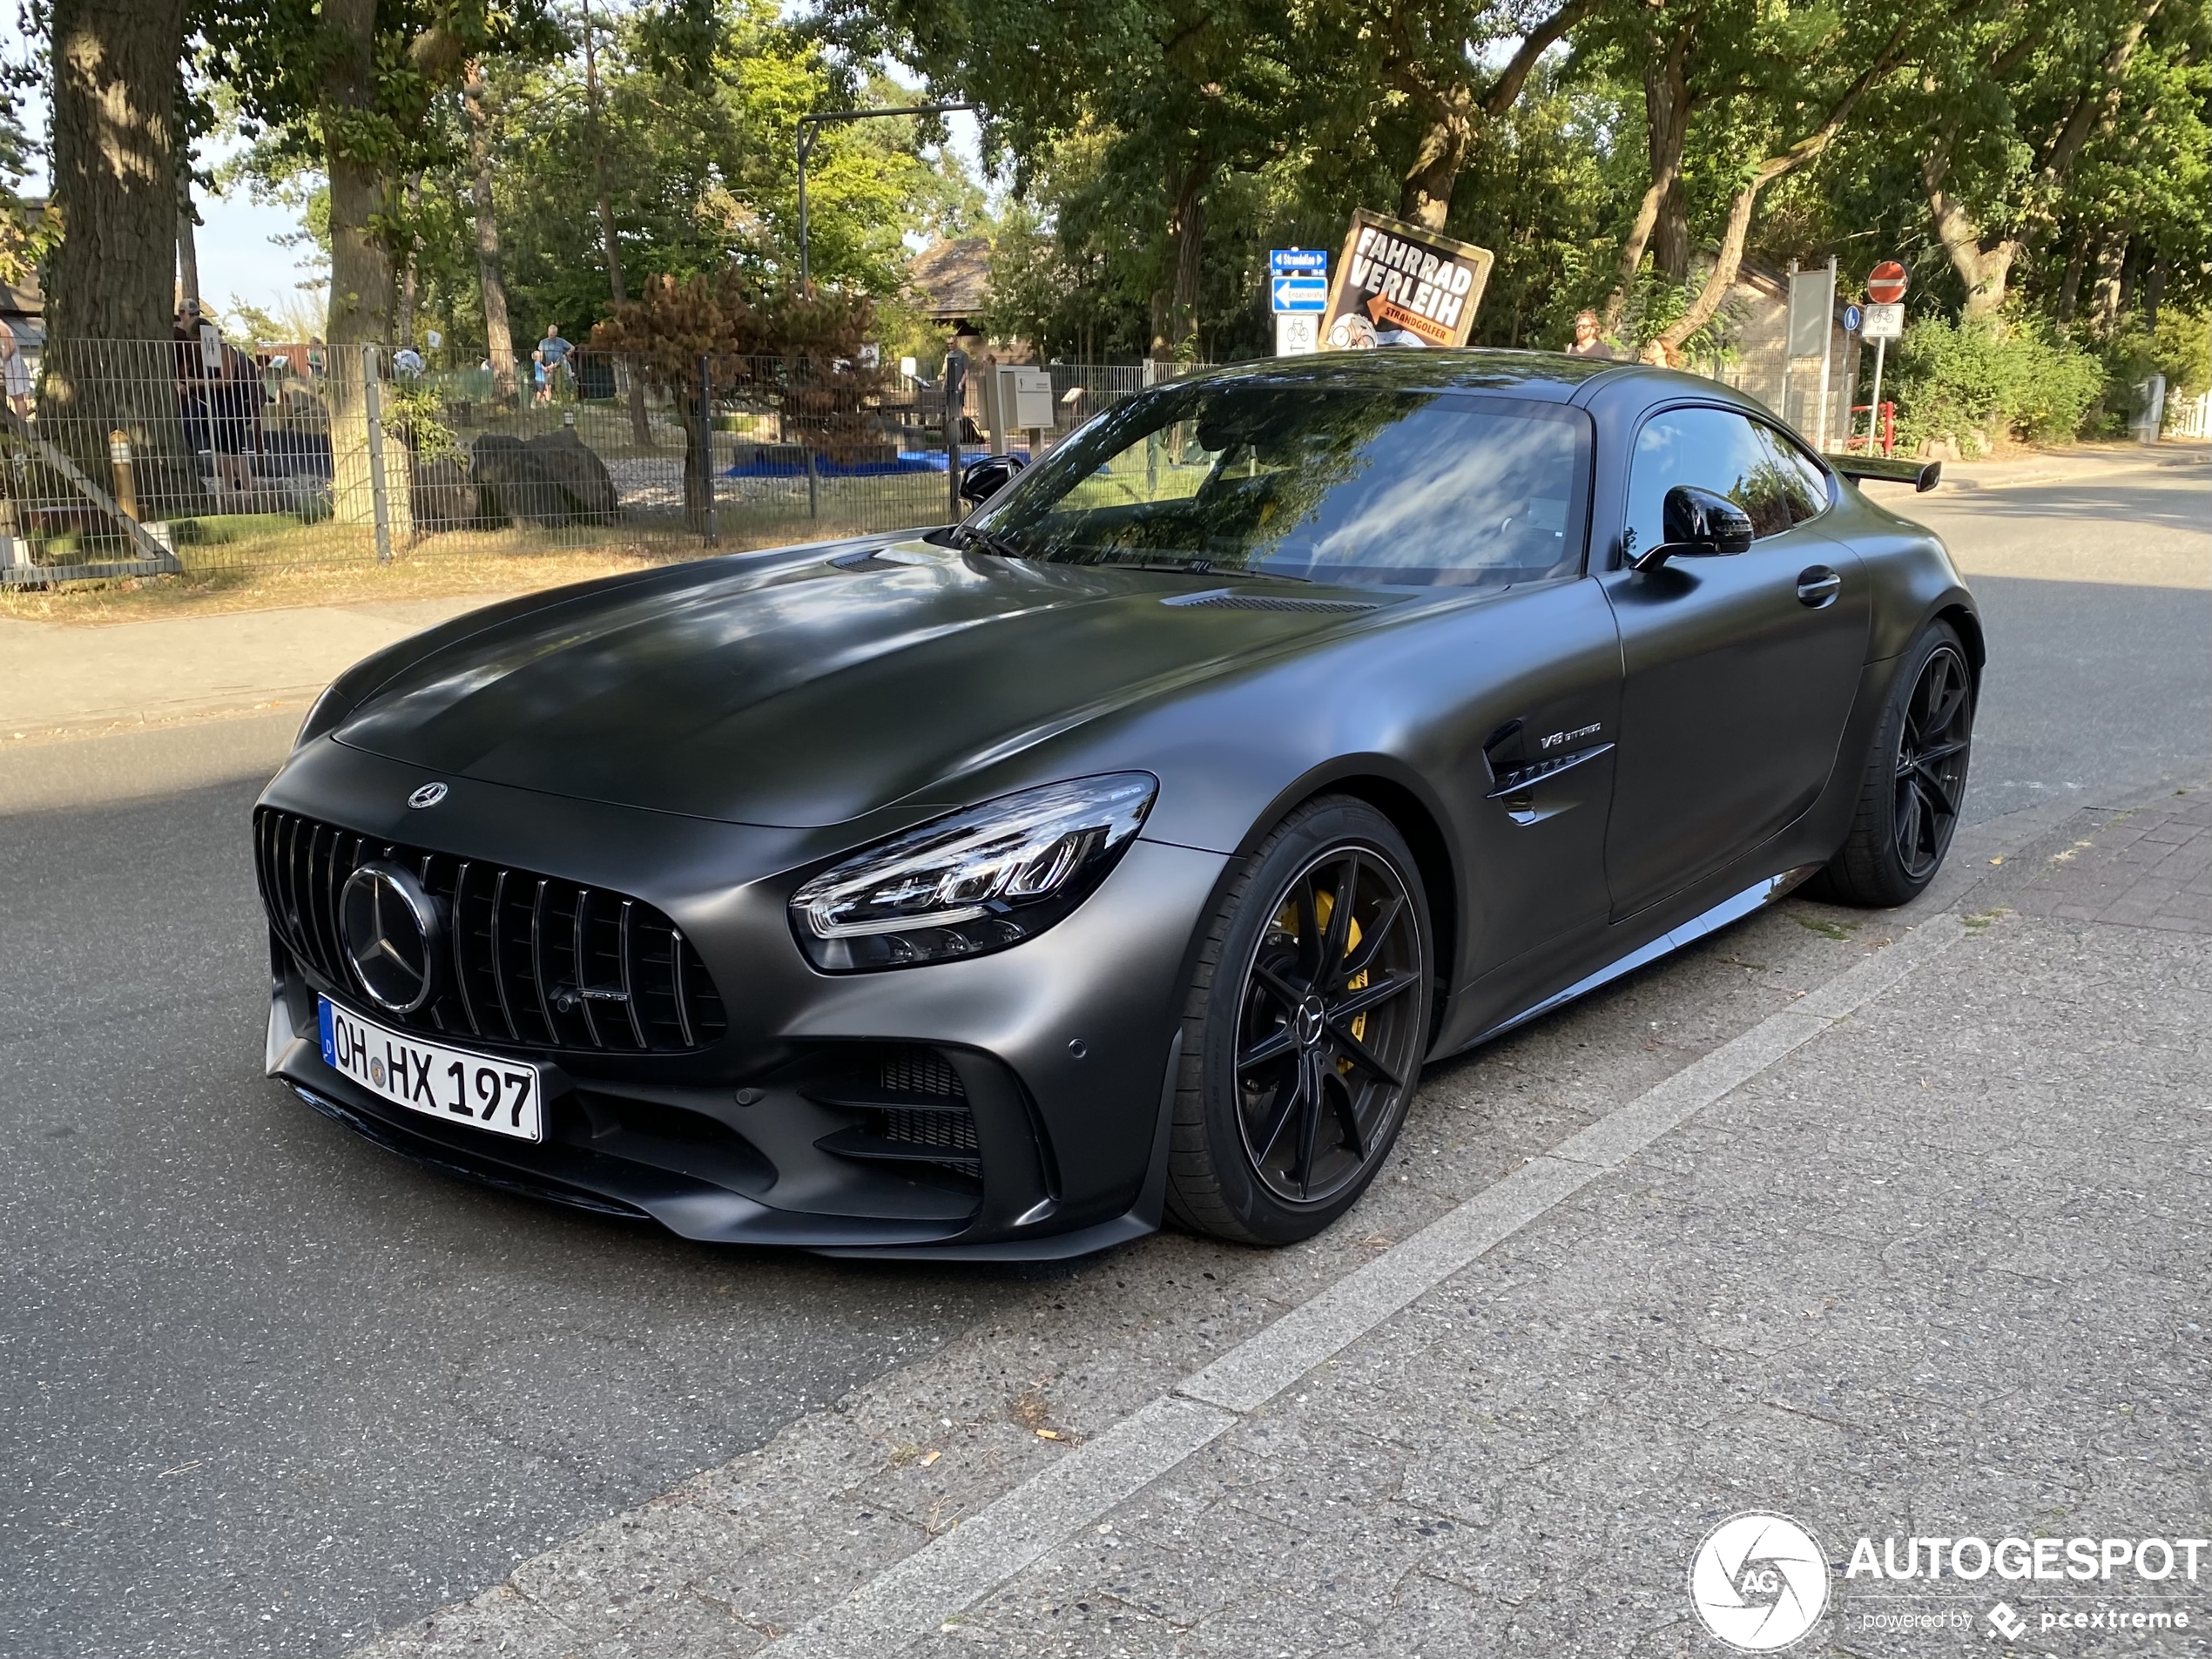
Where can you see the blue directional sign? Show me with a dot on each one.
(1852, 318)
(1294, 293)
(1308, 260)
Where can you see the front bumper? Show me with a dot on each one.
(1059, 1049)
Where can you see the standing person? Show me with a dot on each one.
(234, 406)
(15, 372)
(192, 379)
(1587, 341)
(552, 355)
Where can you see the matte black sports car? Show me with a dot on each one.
(1122, 852)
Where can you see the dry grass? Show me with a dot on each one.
(423, 575)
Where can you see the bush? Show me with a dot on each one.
(1978, 384)
(2177, 348)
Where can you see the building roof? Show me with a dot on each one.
(951, 278)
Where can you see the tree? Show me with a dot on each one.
(499, 340)
(1177, 94)
(1976, 89)
(690, 339)
(115, 82)
(1794, 74)
(1430, 54)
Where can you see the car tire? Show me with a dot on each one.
(1302, 1041)
(1914, 780)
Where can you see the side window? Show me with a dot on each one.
(1805, 484)
(1714, 450)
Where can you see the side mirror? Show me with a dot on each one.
(981, 480)
(1698, 523)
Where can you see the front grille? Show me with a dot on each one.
(531, 959)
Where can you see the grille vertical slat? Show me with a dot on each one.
(675, 981)
(459, 929)
(537, 960)
(499, 959)
(630, 979)
(551, 932)
(582, 946)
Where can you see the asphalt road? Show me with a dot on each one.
(264, 1389)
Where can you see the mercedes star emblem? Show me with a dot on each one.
(390, 925)
(428, 795)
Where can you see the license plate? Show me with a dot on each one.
(501, 1095)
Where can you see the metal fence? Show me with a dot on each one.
(136, 457)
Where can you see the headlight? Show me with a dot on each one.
(978, 880)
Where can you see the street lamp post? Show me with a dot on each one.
(810, 128)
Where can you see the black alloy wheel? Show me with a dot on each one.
(1914, 780)
(1330, 1027)
(1304, 1025)
(1932, 744)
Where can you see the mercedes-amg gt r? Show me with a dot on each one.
(1122, 853)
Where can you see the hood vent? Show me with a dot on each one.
(1222, 599)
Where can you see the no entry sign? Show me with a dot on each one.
(1886, 283)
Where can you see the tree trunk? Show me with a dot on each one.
(641, 432)
(403, 318)
(110, 281)
(1176, 308)
(2070, 288)
(362, 290)
(499, 341)
(1670, 248)
(187, 242)
(1983, 271)
(1424, 199)
(1666, 118)
(2111, 264)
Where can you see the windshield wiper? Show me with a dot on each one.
(967, 536)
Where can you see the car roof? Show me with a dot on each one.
(1545, 376)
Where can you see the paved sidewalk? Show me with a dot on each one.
(1897, 1238)
(57, 679)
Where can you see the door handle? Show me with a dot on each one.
(1818, 586)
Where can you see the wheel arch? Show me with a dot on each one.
(1963, 620)
(1374, 780)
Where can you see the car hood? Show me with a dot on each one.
(806, 692)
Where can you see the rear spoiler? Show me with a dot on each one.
(1921, 474)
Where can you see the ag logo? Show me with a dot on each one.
(1759, 1581)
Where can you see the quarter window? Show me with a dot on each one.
(1728, 454)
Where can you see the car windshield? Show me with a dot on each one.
(1376, 486)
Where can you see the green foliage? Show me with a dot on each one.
(1979, 384)
(415, 408)
(696, 120)
(2179, 346)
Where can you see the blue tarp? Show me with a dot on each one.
(908, 461)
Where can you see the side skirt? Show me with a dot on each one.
(1757, 896)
